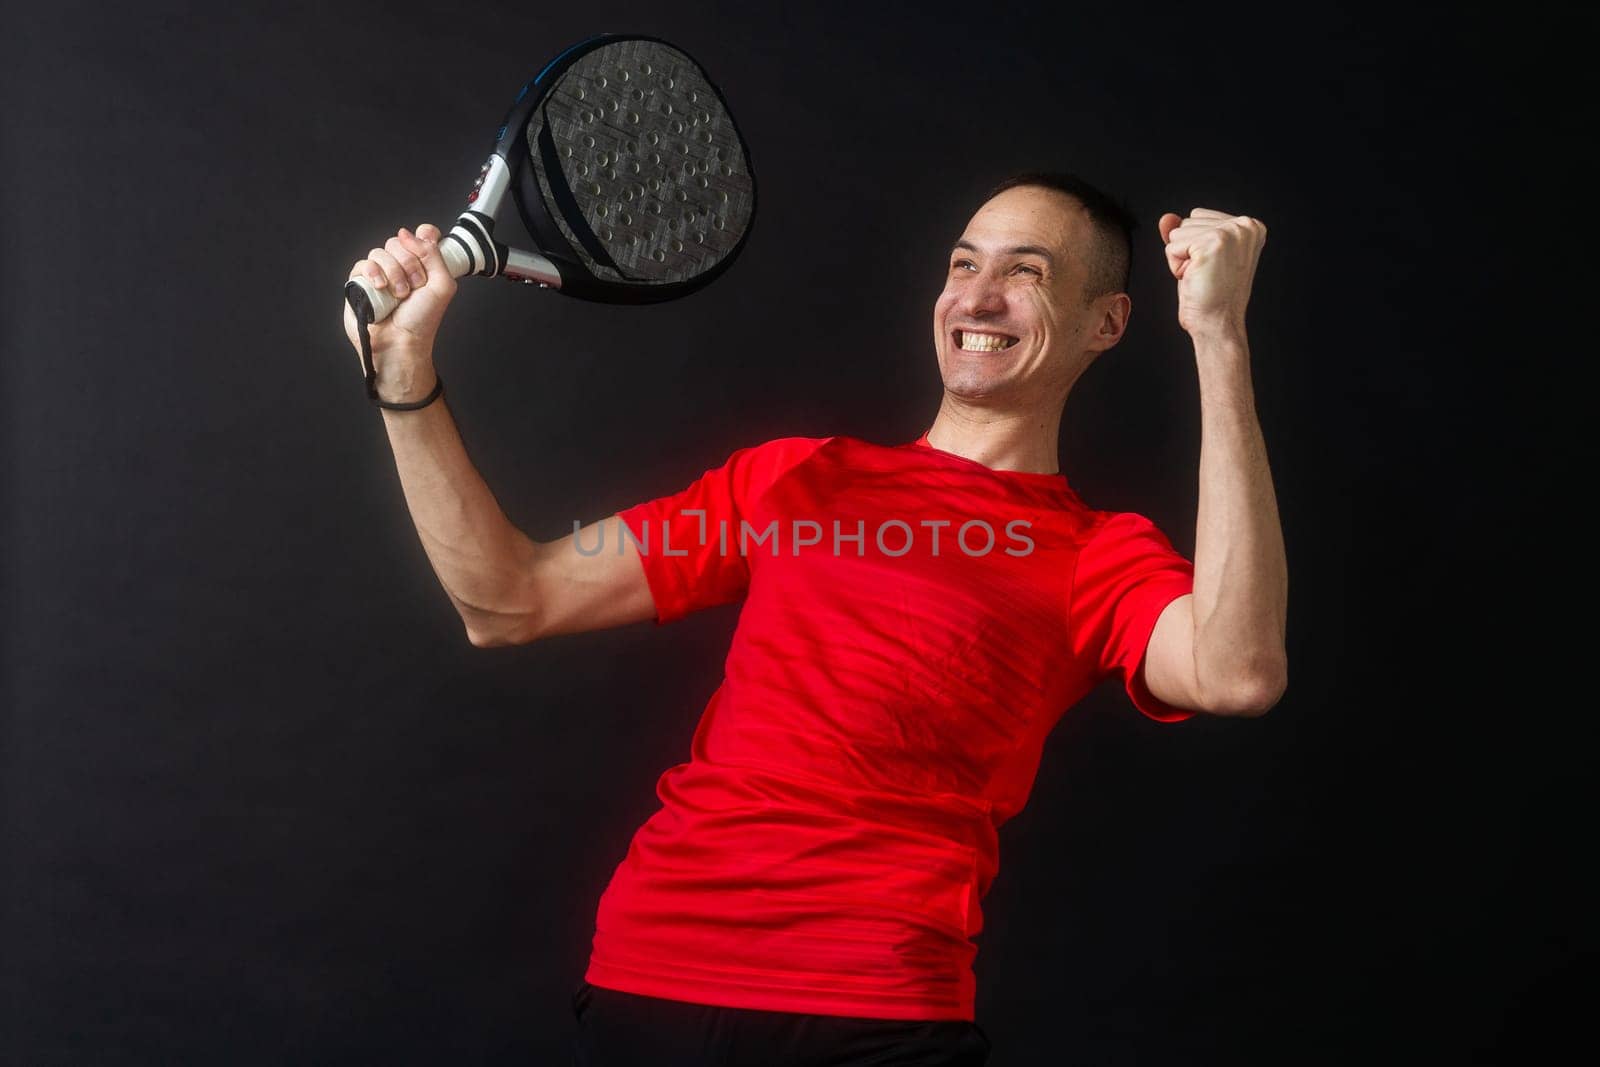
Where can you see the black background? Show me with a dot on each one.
(265, 804)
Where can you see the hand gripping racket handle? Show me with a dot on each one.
(383, 301)
(469, 248)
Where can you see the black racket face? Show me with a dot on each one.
(640, 166)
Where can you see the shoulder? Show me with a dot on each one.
(1095, 531)
(753, 468)
(1114, 525)
(1123, 543)
(1107, 529)
(771, 458)
(783, 447)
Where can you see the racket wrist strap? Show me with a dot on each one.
(363, 313)
(438, 391)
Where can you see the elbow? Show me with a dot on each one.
(518, 617)
(1253, 693)
(1256, 699)
(500, 631)
(479, 638)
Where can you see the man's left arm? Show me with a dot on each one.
(1221, 649)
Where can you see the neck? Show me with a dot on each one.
(1007, 440)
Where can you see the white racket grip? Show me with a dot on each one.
(383, 301)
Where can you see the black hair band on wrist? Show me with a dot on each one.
(438, 391)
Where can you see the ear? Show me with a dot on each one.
(1112, 322)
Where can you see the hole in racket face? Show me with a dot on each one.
(640, 165)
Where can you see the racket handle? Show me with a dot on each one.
(383, 301)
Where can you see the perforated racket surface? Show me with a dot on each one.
(628, 172)
(637, 162)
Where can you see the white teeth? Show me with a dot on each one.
(983, 342)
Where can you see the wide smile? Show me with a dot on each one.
(976, 341)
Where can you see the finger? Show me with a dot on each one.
(398, 283)
(1195, 230)
(369, 270)
(1250, 225)
(1208, 213)
(1168, 222)
(404, 249)
(421, 246)
(416, 252)
(1177, 259)
(429, 263)
(1184, 241)
(1183, 237)
(427, 251)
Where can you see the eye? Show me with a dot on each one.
(1032, 270)
(963, 264)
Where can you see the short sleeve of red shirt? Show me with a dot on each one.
(689, 541)
(1127, 574)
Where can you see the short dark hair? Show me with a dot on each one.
(1111, 260)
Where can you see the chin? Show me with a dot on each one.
(972, 381)
(976, 386)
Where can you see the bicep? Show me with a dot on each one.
(589, 580)
(1168, 665)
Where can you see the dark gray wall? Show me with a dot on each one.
(264, 803)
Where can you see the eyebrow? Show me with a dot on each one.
(1014, 250)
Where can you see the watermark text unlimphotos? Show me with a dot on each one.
(893, 537)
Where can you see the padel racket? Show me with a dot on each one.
(629, 174)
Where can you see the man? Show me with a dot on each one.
(916, 619)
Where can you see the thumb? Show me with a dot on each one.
(1168, 223)
(424, 244)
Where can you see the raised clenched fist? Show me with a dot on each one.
(1213, 255)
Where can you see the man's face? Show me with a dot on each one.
(1011, 325)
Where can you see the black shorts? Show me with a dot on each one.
(617, 1029)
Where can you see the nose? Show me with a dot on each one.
(984, 294)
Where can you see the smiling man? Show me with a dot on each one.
(916, 619)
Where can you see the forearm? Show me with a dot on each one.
(1241, 575)
(478, 554)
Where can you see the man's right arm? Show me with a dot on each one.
(507, 588)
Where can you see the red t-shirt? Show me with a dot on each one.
(891, 681)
